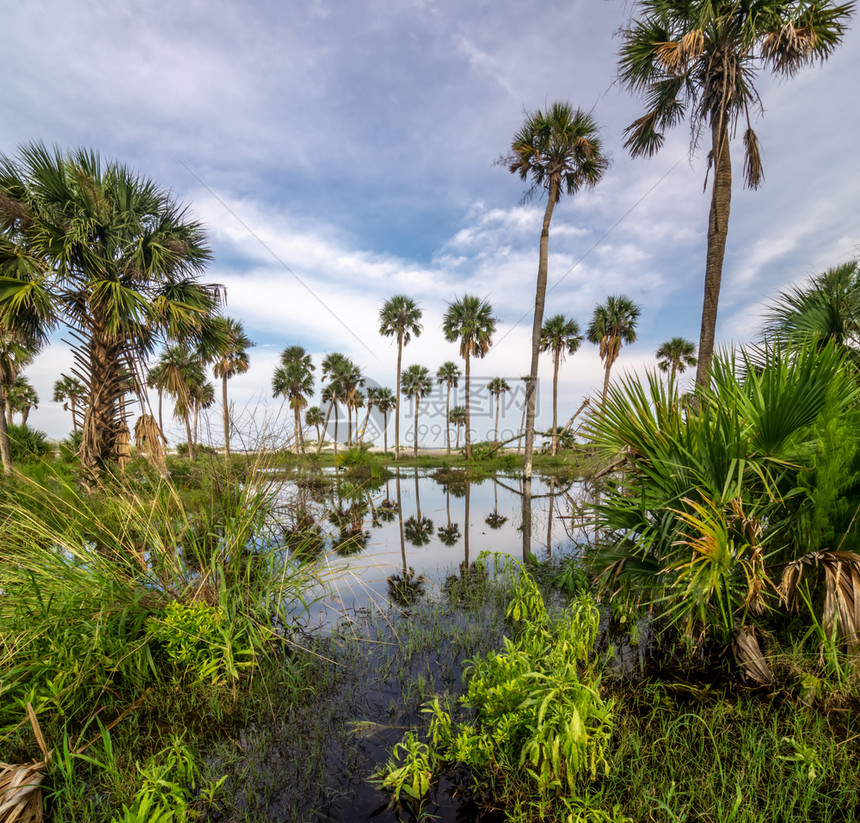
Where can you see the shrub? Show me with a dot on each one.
(28, 444)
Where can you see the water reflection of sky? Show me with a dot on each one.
(362, 546)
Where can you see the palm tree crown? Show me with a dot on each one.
(613, 323)
(701, 58)
(676, 356)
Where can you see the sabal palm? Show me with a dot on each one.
(613, 323)
(180, 373)
(202, 397)
(294, 380)
(314, 417)
(559, 336)
(825, 308)
(229, 359)
(400, 317)
(701, 58)
(676, 356)
(560, 151)
(69, 391)
(470, 321)
(386, 402)
(20, 398)
(16, 351)
(449, 374)
(107, 251)
(497, 387)
(416, 383)
(458, 418)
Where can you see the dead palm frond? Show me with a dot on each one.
(841, 610)
(20, 786)
(150, 440)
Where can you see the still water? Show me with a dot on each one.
(388, 542)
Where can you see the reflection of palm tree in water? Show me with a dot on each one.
(418, 529)
(450, 534)
(406, 587)
(466, 532)
(550, 516)
(495, 520)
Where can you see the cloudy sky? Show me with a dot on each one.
(342, 152)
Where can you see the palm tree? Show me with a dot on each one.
(314, 417)
(497, 387)
(181, 374)
(826, 308)
(458, 418)
(155, 379)
(613, 323)
(559, 336)
(386, 402)
(294, 379)
(229, 359)
(16, 351)
(202, 397)
(560, 151)
(399, 317)
(469, 320)
(702, 57)
(351, 380)
(20, 398)
(370, 398)
(416, 383)
(333, 367)
(676, 356)
(93, 244)
(449, 374)
(68, 391)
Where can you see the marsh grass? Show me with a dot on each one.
(171, 607)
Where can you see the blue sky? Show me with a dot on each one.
(351, 145)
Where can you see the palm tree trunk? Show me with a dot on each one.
(25, 414)
(468, 412)
(415, 444)
(448, 418)
(74, 415)
(297, 415)
(522, 426)
(496, 432)
(718, 228)
(348, 424)
(385, 431)
(364, 425)
(606, 379)
(191, 450)
(325, 426)
(336, 415)
(540, 299)
(555, 402)
(397, 409)
(196, 411)
(225, 410)
(458, 438)
(5, 449)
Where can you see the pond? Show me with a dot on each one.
(397, 540)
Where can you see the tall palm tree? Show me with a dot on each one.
(333, 365)
(229, 359)
(613, 323)
(676, 356)
(701, 58)
(469, 320)
(294, 380)
(458, 418)
(155, 379)
(69, 391)
(314, 417)
(97, 246)
(181, 375)
(386, 402)
(497, 387)
(20, 398)
(399, 317)
(351, 380)
(560, 151)
(559, 336)
(449, 374)
(416, 383)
